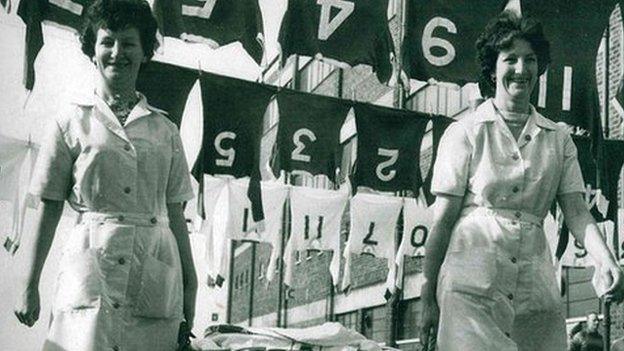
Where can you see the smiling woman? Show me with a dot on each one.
(489, 281)
(126, 279)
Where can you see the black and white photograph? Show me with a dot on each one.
(320, 175)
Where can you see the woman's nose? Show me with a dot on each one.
(117, 49)
(521, 66)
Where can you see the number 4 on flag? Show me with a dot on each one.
(328, 26)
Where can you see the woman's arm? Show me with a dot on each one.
(27, 307)
(586, 231)
(177, 223)
(446, 210)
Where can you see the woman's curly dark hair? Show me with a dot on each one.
(119, 15)
(499, 35)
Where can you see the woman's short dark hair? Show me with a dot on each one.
(119, 15)
(499, 35)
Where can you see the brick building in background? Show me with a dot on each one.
(311, 300)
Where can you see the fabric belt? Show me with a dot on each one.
(139, 219)
(516, 215)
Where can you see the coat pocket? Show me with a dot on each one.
(471, 272)
(160, 292)
(79, 281)
(545, 294)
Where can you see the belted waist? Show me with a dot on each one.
(516, 215)
(139, 219)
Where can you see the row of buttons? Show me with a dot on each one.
(152, 220)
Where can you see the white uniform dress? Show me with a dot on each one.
(120, 281)
(496, 288)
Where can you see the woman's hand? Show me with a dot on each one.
(429, 318)
(614, 275)
(27, 307)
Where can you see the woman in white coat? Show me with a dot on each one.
(490, 282)
(126, 279)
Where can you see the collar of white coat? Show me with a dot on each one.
(104, 114)
(486, 112)
(141, 109)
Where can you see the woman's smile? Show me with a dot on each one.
(118, 54)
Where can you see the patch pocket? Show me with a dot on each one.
(545, 294)
(160, 292)
(79, 281)
(471, 272)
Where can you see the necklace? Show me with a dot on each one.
(122, 107)
(515, 121)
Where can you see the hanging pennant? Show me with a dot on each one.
(63, 13)
(308, 134)
(351, 32)
(17, 160)
(388, 148)
(214, 22)
(440, 38)
(567, 91)
(603, 205)
(213, 195)
(372, 230)
(241, 226)
(316, 215)
(417, 222)
(439, 126)
(613, 166)
(166, 87)
(233, 116)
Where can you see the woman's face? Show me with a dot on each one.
(118, 55)
(516, 71)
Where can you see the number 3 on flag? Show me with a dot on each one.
(296, 154)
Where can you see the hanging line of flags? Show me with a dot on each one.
(438, 41)
(308, 142)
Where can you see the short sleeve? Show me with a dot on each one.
(52, 175)
(179, 182)
(450, 171)
(571, 177)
